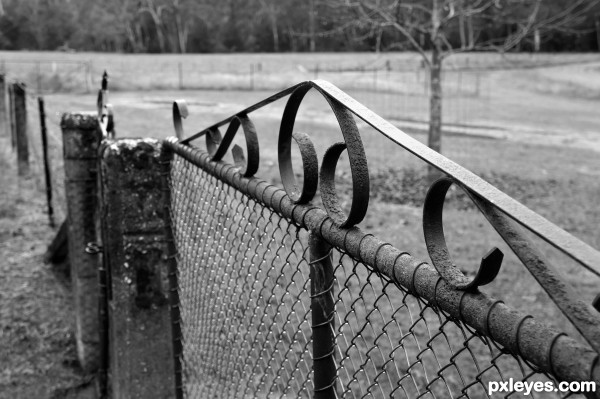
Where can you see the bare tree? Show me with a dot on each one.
(156, 12)
(272, 8)
(425, 26)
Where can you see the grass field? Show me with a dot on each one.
(535, 133)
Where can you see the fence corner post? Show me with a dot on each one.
(81, 139)
(137, 249)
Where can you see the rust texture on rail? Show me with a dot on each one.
(504, 213)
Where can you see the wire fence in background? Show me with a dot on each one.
(53, 148)
(397, 90)
(41, 140)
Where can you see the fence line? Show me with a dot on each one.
(37, 131)
(269, 292)
(401, 90)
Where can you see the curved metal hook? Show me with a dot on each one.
(310, 165)
(247, 167)
(356, 154)
(213, 139)
(180, 111)
(438, 250)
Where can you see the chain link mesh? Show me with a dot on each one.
(244, 292)
(394, 344)
(243, 274)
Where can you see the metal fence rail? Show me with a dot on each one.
(279, 297)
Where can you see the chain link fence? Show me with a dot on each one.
(245, 303)
(244, 292)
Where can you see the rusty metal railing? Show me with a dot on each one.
(264, 309)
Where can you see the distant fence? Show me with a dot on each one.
(34, 130)
(399, 90)
(216, 283)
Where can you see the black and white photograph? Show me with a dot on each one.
(299, 199)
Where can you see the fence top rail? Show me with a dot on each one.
(573, 247)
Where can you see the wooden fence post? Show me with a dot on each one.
(81, 140)
(4, 125)
(137, 258)
(11, 117)
(20, 110)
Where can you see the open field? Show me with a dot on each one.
(537, 138)
(486, 91)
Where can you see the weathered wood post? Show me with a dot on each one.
(11, 117)
(20, 109)
(4, 125)
(137, 252)
(81, 140)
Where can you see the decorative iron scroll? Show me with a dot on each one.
(105, 110)
(502, 211)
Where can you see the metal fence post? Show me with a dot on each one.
(137, 260)
(20, 107)
(47, 172)
(81, 139)
(323, 311)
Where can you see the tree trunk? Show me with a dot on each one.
(378, 42)
(311, 25)
(470, 32)
(181, 33)
(461, 26)
(275, 32)
(156, 18)
(536, 41)
(598, 30)
(434, 139)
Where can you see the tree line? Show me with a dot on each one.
(196, 26)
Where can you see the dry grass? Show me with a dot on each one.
(37, 344)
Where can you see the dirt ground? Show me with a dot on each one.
(37, 351)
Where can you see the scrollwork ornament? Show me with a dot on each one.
(248, 166)
(435, 240)
(180, 111)
(310, 165)
(356, 154)
(213, 139)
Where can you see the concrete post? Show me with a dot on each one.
(81, 139)
(137, 252)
